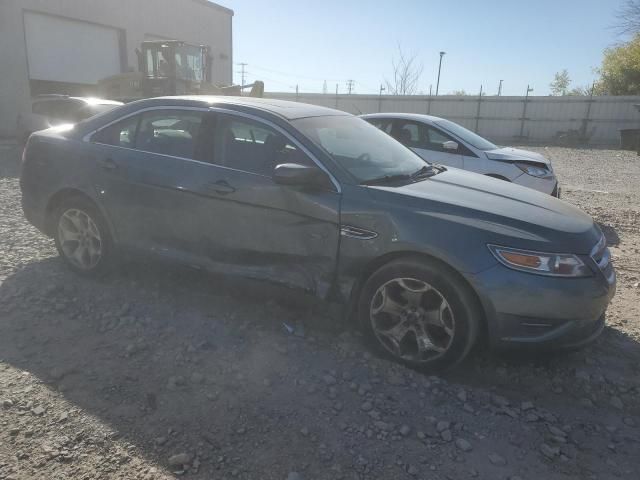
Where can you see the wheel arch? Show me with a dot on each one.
(62, 195)
(379, 262)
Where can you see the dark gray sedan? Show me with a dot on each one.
(426, 258)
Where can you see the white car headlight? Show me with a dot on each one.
(533, 170)
(552, 264)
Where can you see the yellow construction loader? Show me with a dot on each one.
(170, 67)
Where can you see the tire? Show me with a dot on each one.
(79, 227)
(415, 298)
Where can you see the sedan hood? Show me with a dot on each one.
(508, 214)
(509, 154)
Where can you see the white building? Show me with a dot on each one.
(66, 46)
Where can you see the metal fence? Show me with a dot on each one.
(590, 120)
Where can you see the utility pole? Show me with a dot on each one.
(500, 88)
(324, 88)
(380, 98)
(478, 111)
(336, 95)
(350, 84)
(242, 73)
(442, 54)
(524, 111)
(297, 94)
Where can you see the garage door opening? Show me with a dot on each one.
(69, 56)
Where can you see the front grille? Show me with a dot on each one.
(602, 256)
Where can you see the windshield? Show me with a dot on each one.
(189, 63)
(360, 148)
(466, 135)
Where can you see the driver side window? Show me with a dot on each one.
(254, 147)
(435, 139)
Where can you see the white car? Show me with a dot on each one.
(441, 141)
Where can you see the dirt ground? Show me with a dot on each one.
(156, 372)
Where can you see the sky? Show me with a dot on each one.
(287, 42)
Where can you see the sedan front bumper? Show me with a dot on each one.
(527, 309)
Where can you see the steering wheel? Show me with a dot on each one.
(365, 157)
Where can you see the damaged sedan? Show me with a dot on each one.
(428, 260)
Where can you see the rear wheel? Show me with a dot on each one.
(82, 237)
(419, 313)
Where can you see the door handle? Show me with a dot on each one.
(221, 187)
(108, 164)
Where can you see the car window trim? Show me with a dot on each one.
(88, 137)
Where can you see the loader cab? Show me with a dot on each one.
(173, 67)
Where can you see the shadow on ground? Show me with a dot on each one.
(176, 360)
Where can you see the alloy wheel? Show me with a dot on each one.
(80, 239)
(412, 320)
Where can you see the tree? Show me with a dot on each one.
(459, 93)
(560, 84)
(620, 70)
(628, 18)
(580, 91)
(406, 74)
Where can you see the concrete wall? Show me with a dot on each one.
(500, 118)
(194, 21)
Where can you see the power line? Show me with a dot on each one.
(295, 75)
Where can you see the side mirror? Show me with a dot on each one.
(299, 175)
(450, 145)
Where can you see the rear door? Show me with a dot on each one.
(151, 169)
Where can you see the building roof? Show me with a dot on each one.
(216, 6)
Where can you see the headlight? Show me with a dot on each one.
(532, 170)
(552, 264)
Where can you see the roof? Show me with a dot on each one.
(87, 100)
(216, 6)
(418, 117)
(283, 108)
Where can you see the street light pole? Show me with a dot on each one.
(500, 88)
(442, 54)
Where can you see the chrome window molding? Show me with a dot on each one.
(226, 111)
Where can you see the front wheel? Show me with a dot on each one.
(82, 237)
(419, 313)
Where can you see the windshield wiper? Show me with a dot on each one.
(386, 180)
(428, 171)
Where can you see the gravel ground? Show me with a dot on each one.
(156, 372)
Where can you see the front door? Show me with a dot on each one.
(427, 142)
(258, 228)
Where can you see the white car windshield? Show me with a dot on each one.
(360, 148)
(468, 136)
